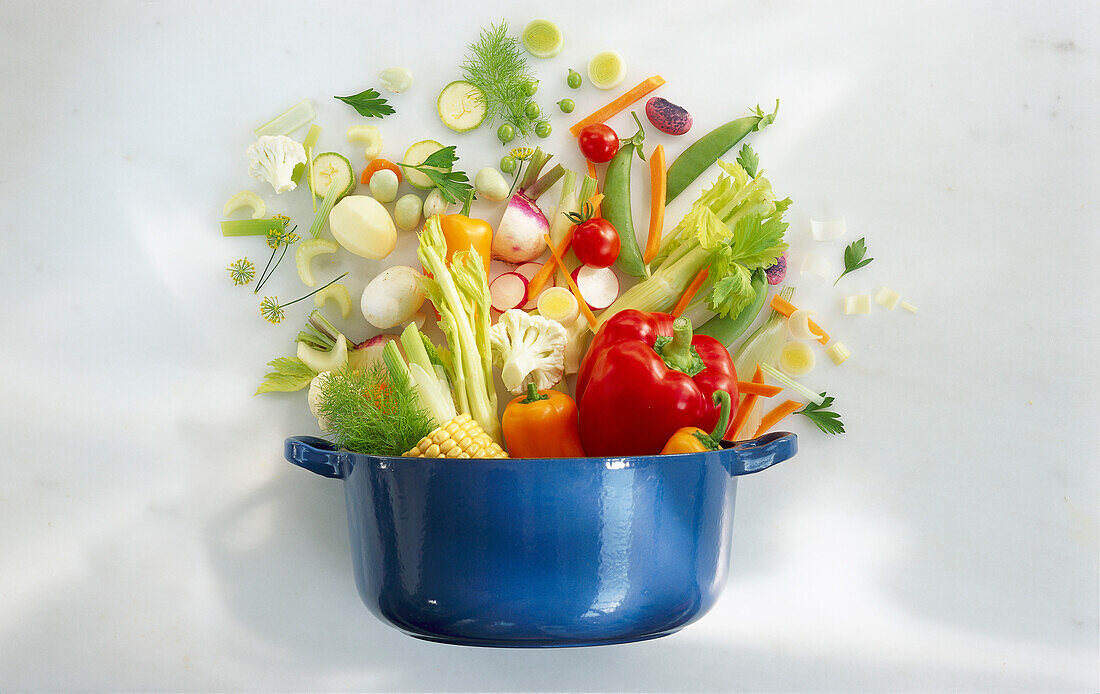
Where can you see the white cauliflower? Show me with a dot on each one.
(528, 348)
(272, 158)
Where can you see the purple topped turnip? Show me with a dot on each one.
(519, 236)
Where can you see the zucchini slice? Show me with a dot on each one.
(461, 106)
(415, 156)
(330, 168)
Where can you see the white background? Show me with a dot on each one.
(152, 537)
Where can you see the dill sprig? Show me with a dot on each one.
(242, 271)
(273, 311)
(371, 411)
(496, 65)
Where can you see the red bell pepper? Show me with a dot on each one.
(644, 377)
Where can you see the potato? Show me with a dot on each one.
(393, 297)
(361, 225)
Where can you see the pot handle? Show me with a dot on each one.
(745, 457)
(314, 454)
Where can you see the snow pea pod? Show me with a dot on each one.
(615, 207)
(726, 329)
(698, 157)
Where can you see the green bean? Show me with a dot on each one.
(726, 329)
(697, 158)
(616, 203)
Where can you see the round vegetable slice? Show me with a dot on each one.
(461, 106)
(330, 168)
(508, 291)
(303, 257)
(558, 303)
(415, 156)
(606, 70)
(796, 359)
(599, 286)
(542, 38)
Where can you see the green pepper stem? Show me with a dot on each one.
(725, 407)
(469, 201)
(678, 353)
(533, 395)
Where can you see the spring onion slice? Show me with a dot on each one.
(307, 144)
(828, 230)
(792, 384)
(251, 227)
(796, 359)
(289, 120)
(542, 38)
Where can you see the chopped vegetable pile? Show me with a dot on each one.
(526, 299)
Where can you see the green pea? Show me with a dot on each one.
(574, 79)
(566, 105)
(508, 163)
(530, 88)
(532, 111)
(542, 128)
(506, 133)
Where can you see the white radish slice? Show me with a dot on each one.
(828, 230)
(599, 286)
(815, 264)
(508, 291)
(799, 325)
(558, 303)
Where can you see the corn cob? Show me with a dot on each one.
(461, 437)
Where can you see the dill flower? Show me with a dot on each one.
(242, 271)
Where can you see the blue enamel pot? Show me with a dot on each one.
(541, 552)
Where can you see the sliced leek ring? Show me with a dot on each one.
(606, 70)
(798, 323)
(796, 359)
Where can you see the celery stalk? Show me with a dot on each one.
(307, 144)
(762, 347)
(289, 120)
(791, 384)
(331, 196)
(394, 363)
(251, 227)
(560, 224)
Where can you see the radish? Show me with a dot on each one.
(529, 270)
(599, 286)
(518, 238)
(508, 291)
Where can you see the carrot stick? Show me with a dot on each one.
(656, 204)
(773, 417)
(572, 285)
(690, 293)
(786, 308)
(619, 104)
(746, 406)
(534, 287)
(591, 170)
(763, 390)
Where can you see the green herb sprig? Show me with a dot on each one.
(368, 103)
(454, 186)
(496, 64)
(274, 312)
(748, 160)
(373, 411)
(853, 258)
(826, 420)
(288, 374)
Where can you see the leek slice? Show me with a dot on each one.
(796, 359)
(815, 264)
(791, 384)
(798, 323)
(828, 230)
(542, 38)
(606, 70)
(289, 120)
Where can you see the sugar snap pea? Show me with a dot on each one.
(726, 329)
(616, 202)
(698, 157)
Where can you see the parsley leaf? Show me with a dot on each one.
(442, 158)
(368, 103)
(454, 186)
(853, 258)
(748, 160)
(827, 421)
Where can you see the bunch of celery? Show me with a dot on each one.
(425, 370)
(460, 293)
(735, 227)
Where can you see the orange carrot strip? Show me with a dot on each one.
(774, 416)
(591, 170)
(746, 406)
(763, 390)
(690, 293)
(786, 308)
(657, 203)
(534, 287)
(572, 285)
(619, 104)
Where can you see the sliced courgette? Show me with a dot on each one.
(461, 106)
(415, 156)
(330, 168)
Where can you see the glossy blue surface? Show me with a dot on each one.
(530, 553)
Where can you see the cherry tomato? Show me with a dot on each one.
(598, 143)
(596, 242)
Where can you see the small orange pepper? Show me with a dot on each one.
(694, 439)
(541, 424)
(464, 234)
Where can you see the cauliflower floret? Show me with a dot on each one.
(527, 347)
(272, 158)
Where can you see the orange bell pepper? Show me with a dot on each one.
(694, 439)
(464, 234)
(541, 424)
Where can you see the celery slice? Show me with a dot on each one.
(338, 293)
(245, 198)
(307, 144)
(791, 384)
(251, 227)
(289, 120)
(331, 196)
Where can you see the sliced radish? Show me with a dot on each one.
(528, 270)
(599, 286)
(508, 291)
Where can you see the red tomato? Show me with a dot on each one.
(598, 143)
(596, 242)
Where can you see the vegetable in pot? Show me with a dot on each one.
(694, 439)
(528, 348)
